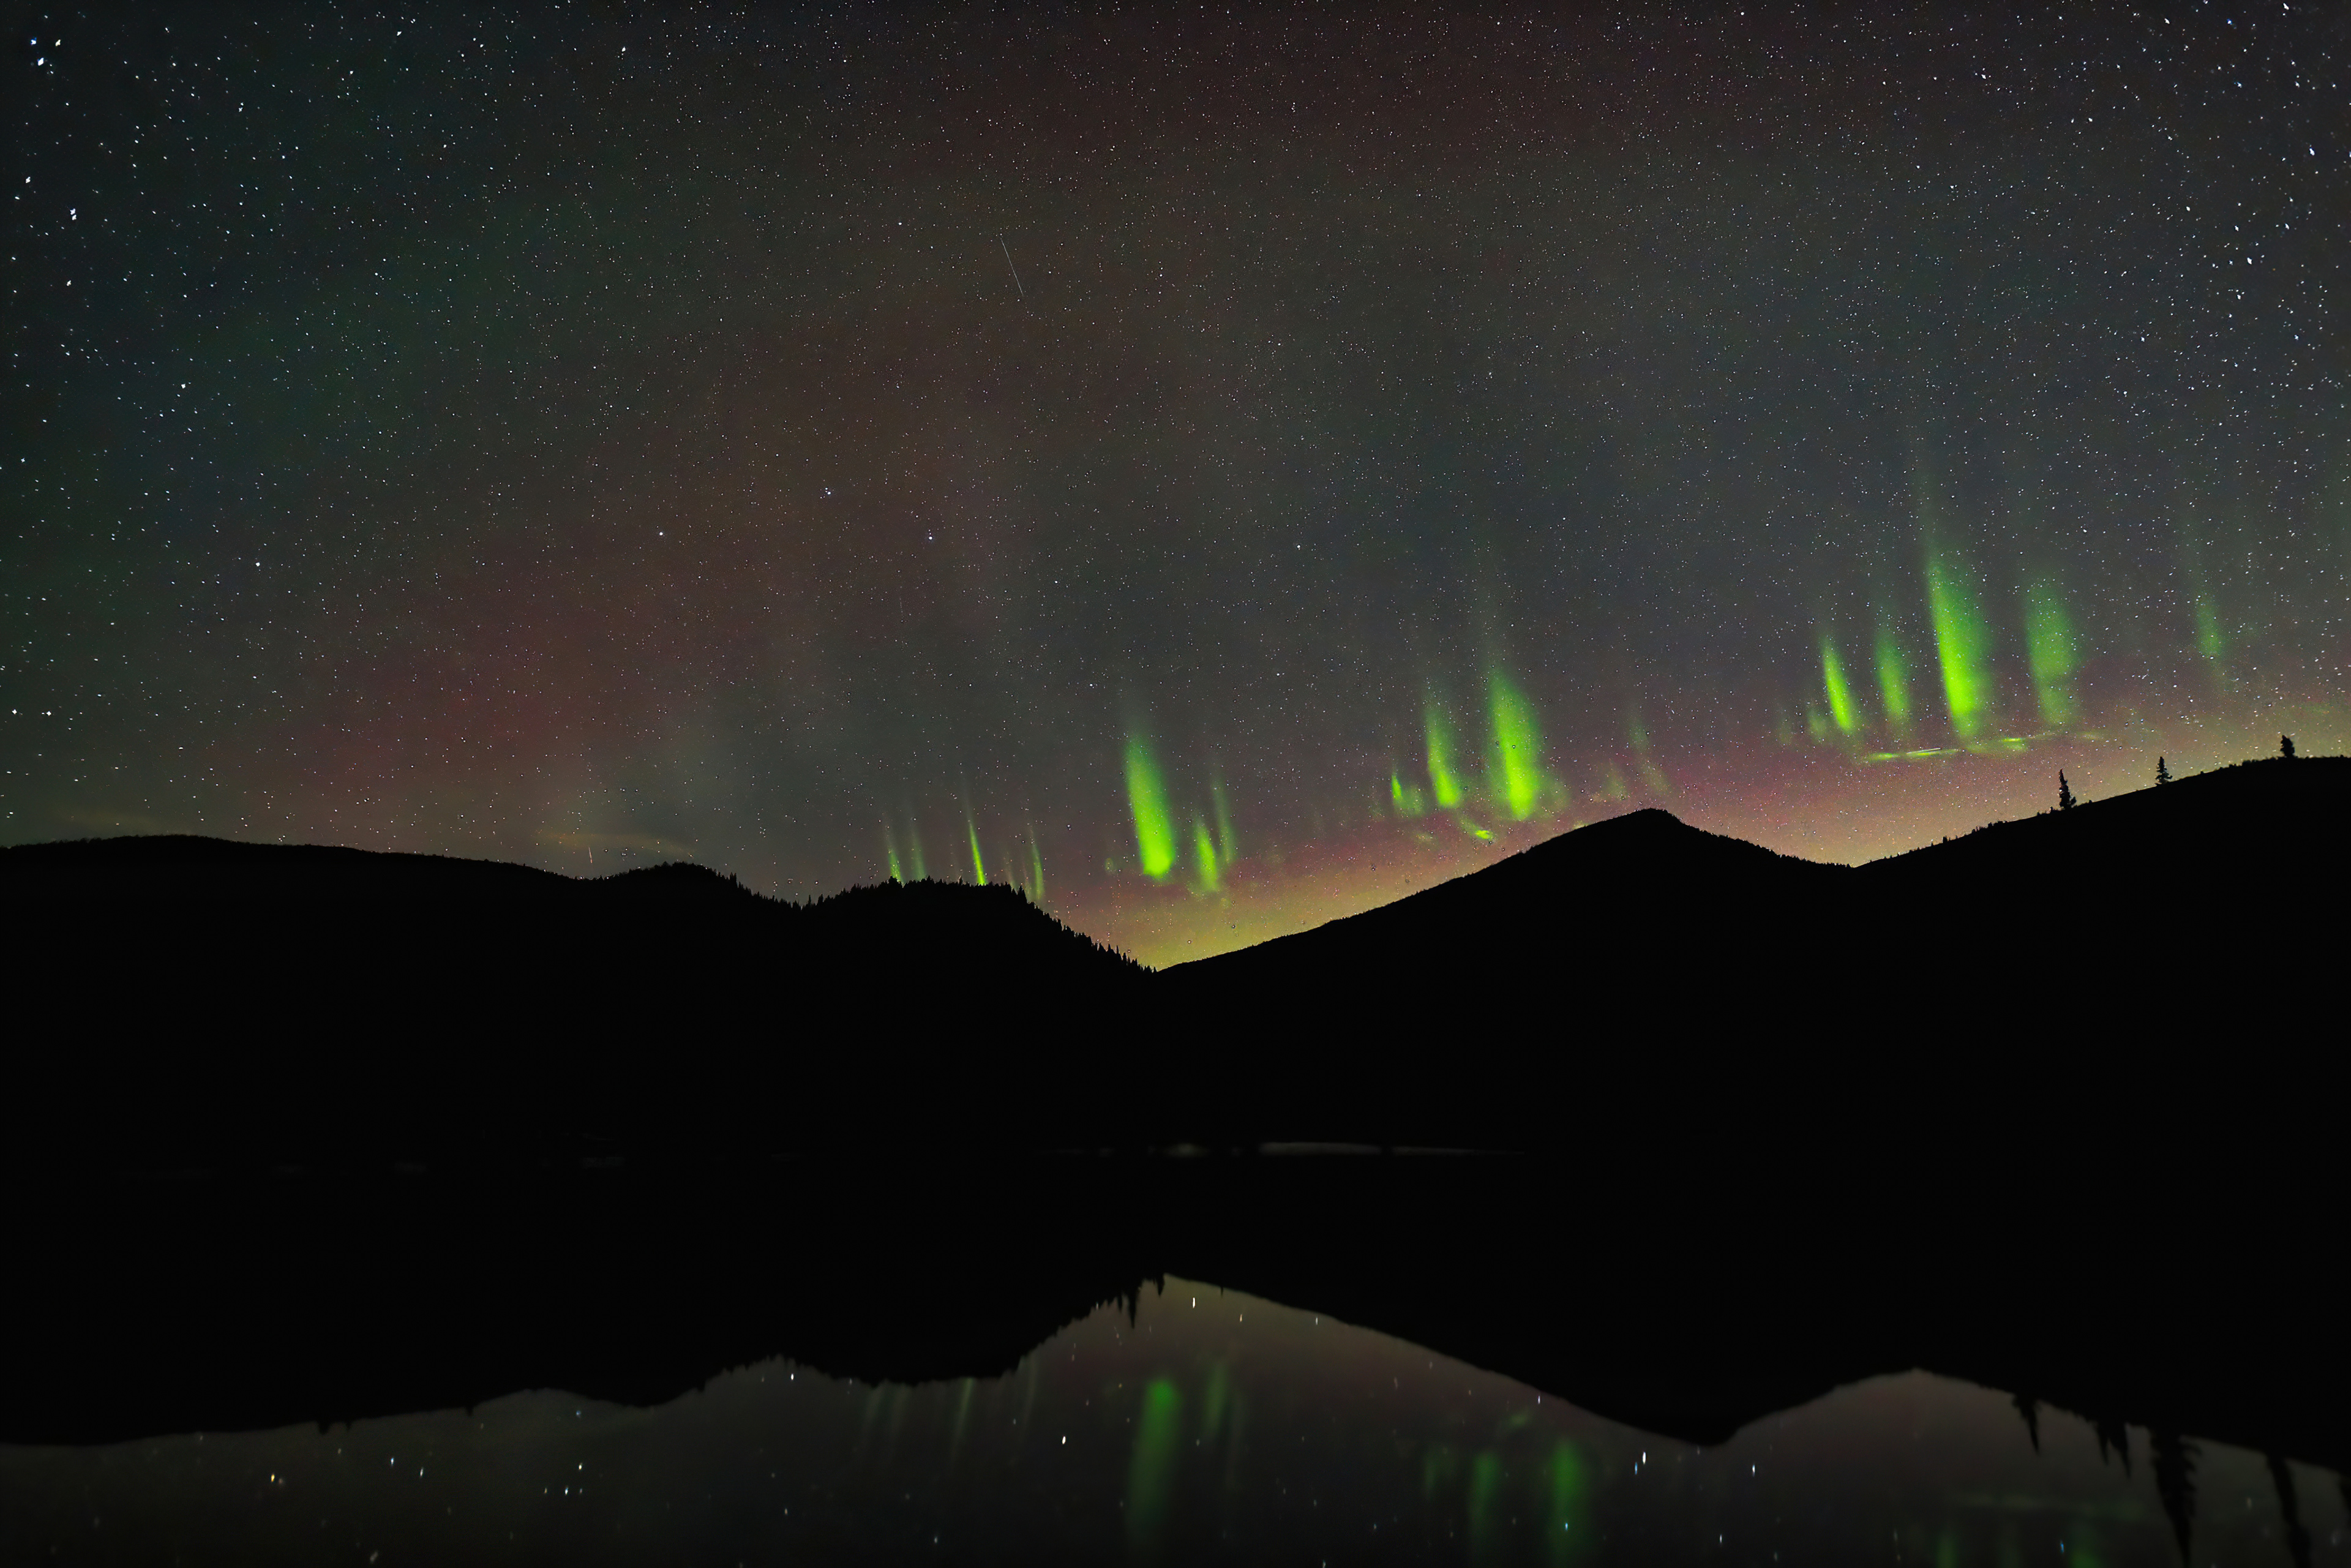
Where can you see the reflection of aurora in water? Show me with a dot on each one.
(1216, 1427)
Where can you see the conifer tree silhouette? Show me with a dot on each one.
(2065, 793)
(2285, 745)
(2162, 771)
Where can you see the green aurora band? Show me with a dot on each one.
(2049, 649)
(1227, 842)
(1408, 801)
(1839, 690)
(909, 859)
(1516, 782)
(1893, 678)
(1515, 777)
(2211, 642)
(2210, 639)
(1443, 782)
(1146, 801)
(1962, 640)
(1204, 856)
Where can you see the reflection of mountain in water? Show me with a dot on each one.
(1186, 1424)
(2035, 1108)
(2174, 1483)
(2297, 1537)
(248, 1300)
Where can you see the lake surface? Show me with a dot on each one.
(1208, 1427)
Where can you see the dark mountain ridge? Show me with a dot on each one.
(2272, 833)
(1691, 980)
(671, 1006)
(261, 1003)
(2053, 1106)
(1646, 866)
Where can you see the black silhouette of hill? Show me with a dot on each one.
(1609, 965)
(411, 1000)
(216, 1001)
(1640, 878)
(2186, 865)
(2053, 1106)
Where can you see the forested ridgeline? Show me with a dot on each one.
(188, 998)
(1637, 981)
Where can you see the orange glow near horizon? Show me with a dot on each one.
(1819, 804)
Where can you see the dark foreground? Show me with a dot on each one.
(2099, 973)
(2165, 1294)
(1202, 1424)
(306, 1135)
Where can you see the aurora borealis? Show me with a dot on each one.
(1215, 471)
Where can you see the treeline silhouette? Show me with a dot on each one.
(203, 1000)
(2136, 962)
(187, 1001)
(2053, 1107)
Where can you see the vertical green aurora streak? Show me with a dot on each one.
(1146, 801)
(2049, 649)
(1962, 640)
(1515, 779)
(1840, 691)
(1893, 679)
(1204, 856)
(1444, 784)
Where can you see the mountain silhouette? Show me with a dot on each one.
(382, 1001)
(2185, 868)
(1642, 964)
(257, 1003)
(303, 1132)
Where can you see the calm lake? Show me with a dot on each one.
(1208, 1427)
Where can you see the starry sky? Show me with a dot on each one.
(1215, 469)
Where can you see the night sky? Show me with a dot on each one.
(1217, 470)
